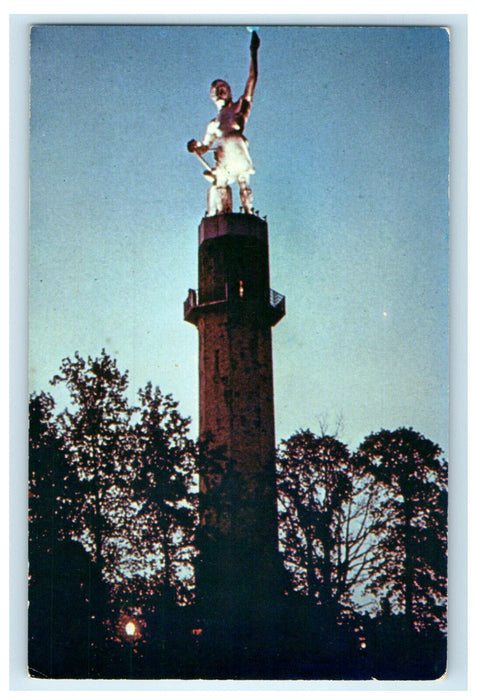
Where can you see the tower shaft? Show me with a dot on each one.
(234, 311)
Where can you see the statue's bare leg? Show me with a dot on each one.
(246, 196)
(219, 198)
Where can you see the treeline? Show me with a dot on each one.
(113, 512)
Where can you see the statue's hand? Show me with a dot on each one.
(254, 43)
(192, 146)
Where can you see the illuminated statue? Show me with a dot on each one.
(232, 159)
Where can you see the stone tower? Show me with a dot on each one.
(234, 309)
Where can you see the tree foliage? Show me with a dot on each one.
(366, 529)
(113, 519)
(62, 577)
(324, 513)
(112, 494)
(412, 543)
(50, 481)
(99, 445)
(165, 491)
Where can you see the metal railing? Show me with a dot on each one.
(275, 298)
(277, 301)
(191, 302)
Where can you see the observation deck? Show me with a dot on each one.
(193, 308)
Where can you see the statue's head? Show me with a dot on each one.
(220, 92)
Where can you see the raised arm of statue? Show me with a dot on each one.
(253, 70)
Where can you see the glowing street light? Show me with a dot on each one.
(130, 629)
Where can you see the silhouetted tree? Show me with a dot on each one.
(61, 574)
(166, 493)
(357, 534)
(100, 446)
(412, 544)
(116, 483)
(49, 478)
(325, 517)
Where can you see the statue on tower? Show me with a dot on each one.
(232, 158)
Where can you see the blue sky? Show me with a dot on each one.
(349, 137)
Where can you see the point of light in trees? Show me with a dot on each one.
(130, 629)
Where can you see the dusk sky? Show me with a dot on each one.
(349, 137)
